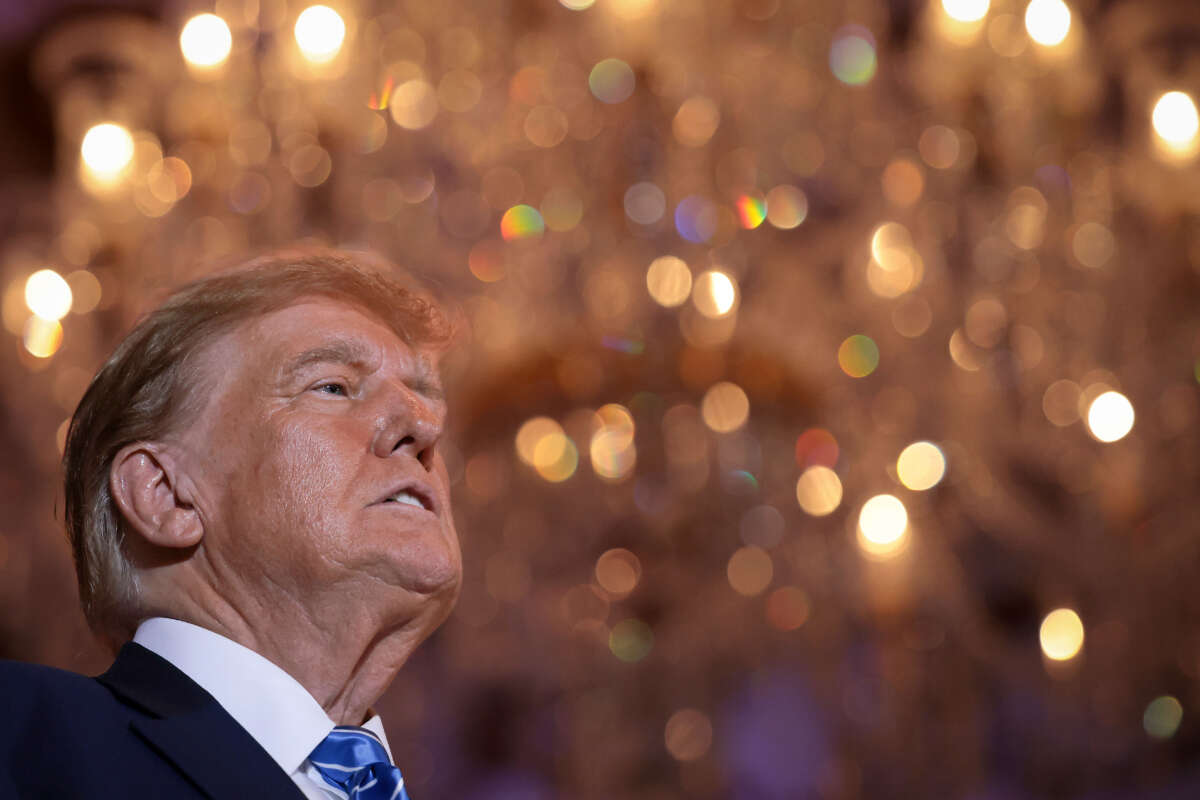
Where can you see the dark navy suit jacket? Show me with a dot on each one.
(141, 730)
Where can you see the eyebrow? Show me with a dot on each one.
(355, 355)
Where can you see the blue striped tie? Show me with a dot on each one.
(353, 760)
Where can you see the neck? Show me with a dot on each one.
(344, 654)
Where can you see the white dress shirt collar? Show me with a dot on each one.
(270, 704)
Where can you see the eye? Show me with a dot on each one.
(334, 388)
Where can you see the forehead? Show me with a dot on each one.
(315, 329)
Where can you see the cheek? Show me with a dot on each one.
(298, 486)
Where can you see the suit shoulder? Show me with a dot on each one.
(27, 689)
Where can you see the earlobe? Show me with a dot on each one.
(145, 486)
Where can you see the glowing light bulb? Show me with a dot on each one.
(47, 295)
(1176, 121)
(1110, 417)
(205, 41)
(1048, 21)
(1061, 634)
(966, 10)
(320, 32)
(107, 150)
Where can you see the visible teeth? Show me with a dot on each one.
(407, 497)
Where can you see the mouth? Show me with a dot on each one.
(416, 496)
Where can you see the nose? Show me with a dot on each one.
(409, 424)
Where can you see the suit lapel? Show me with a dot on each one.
(190, 729)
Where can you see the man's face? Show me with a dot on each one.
(317, 465)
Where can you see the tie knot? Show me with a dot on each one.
(355, 761)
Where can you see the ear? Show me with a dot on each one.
(145, 484)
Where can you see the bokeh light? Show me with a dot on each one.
(612, 451)
(86, 291)
(750, 571)
(631, 640)
(1048, 21)
(714, 294)
(669, 281)
(618, 571)
(521, 222)
(205, 41)
(1110, 416)
(555, 457)
(725, 407)
(42, 337)
(688, 734)
(752, 210)
(611, 81)
(1162, 717)
(858, 356)
(645, 203)
(531, 433)
(319, 33)
(882, 526)
(817, 446)
(1176, 122)
(414, 104)
(786, 206)
(921, 466)
(788, 608)
(696, 219)
(819, 491)
(966, 10)
(577, 5)
(47, 295)
(696, 121)
(107, 151)
(852, 55)
(1061, 634)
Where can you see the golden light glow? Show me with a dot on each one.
(47, 295)
(205, 41)
(688, 735)
(107, 151)
(1176, 123)
(1048, 21)
(532, 432)
(618, 571)
(750, 571)
(612, 452)
(1110, 417)
(555, 457)
(819, 491)
(1061, 634)
(414, 104)
(714, 294)
(669, 281)
(921, 466)
(319, 33)
(882, 526)
(966, 10)
(725, 407)
(42, 337)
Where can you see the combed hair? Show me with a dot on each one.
(144, 391)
